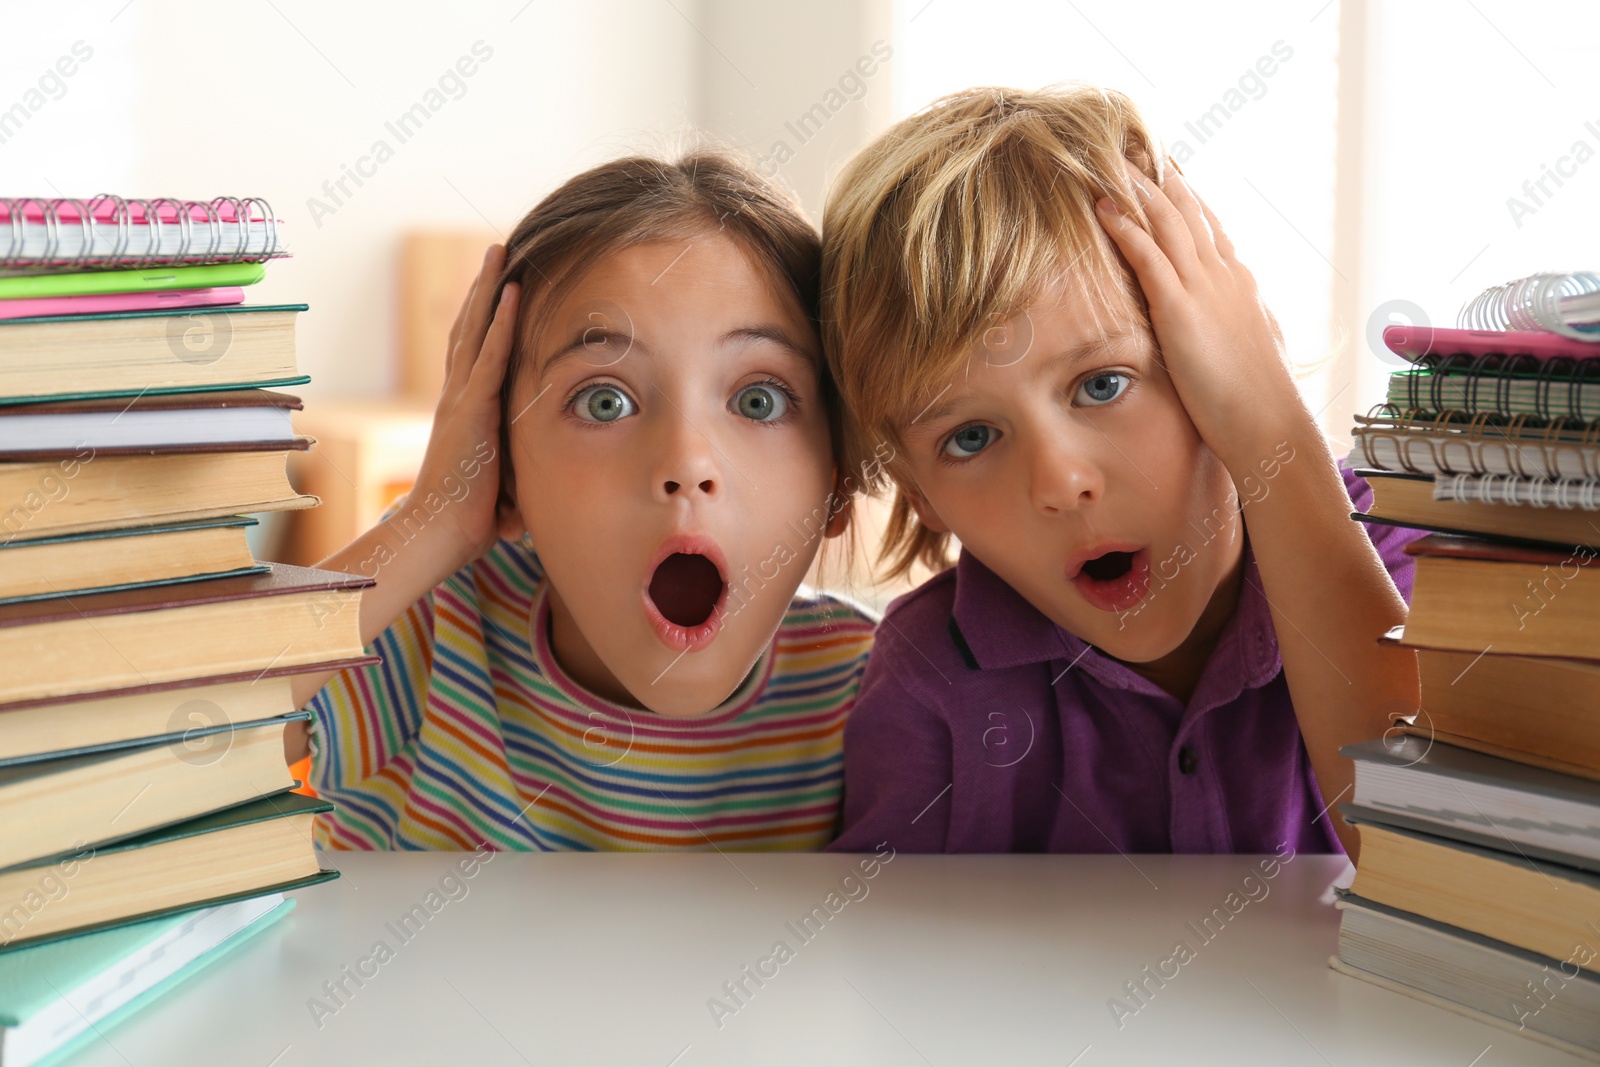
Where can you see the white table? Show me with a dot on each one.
(976, 960)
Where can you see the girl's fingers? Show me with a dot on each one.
(1188, 205)
(488, 371)
(461, 314)
(1157, 276)
(1170, 228)
(478, 310)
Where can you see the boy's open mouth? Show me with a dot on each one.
(1114, 580)
(1110, 566)
(685, 588)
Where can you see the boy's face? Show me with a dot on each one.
(673, 465)
(1062, 458)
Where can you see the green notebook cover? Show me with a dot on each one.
(162, 988)
(32, 978)
(132, 281)
(150, 313)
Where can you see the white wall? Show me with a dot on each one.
(1468, 103)
(199, 100)
(799, 86)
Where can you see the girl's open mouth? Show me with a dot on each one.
(684, 597)
(1115, 580)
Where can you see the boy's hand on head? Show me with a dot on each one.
(458, 487)
(1221, 346)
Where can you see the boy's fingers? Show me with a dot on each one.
(1224, 245)
(1170, 229)
(1188, 205)
(1157, 276)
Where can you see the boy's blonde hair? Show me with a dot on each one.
(948, 226)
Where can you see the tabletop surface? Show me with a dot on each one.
(675, 961)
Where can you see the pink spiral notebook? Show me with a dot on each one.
(33, 307)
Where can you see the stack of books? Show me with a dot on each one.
(147, 654)
(1478, 886)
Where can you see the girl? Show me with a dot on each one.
(1163, 624)
(587, 606)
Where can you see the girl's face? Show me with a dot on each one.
(1061, 457)
(673, 467)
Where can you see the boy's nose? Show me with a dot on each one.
(1063, 479)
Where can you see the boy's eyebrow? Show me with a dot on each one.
(1078, 353)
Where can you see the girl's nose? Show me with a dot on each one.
(687, 463)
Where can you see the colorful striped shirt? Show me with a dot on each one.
(470, 734)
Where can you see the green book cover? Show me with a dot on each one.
(269, 383)
(132, 281)
(279, 806)
(132, 531)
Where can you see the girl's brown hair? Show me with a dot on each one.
(950, 224)
(639, 199)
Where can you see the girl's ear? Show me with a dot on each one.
(925, 513)
(508, 521)
(839, 517)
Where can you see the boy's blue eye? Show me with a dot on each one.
(603, 403)
(968, 441)
(1103, 388)
(761, 403)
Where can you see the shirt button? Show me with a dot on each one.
(1187, 760)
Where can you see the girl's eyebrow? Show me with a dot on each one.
(594, 337)
(773, 335)
(598, 337)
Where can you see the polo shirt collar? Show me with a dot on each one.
(1000, 629)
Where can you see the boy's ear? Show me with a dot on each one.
(925, 513)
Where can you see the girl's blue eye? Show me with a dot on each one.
(1103, 388)
(969, 441)
(603, 403)
(761, 403)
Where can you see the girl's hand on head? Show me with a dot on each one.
(1220, 344)
(458, 487)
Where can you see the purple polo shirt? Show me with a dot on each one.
(982, 726)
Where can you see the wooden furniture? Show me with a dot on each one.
(367, 455)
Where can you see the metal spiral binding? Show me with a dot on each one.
(1543, 302)
(200, 228)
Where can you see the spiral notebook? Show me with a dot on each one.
(1495, 372)
(1454, 442)
(1560, 302)
(47, 235)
